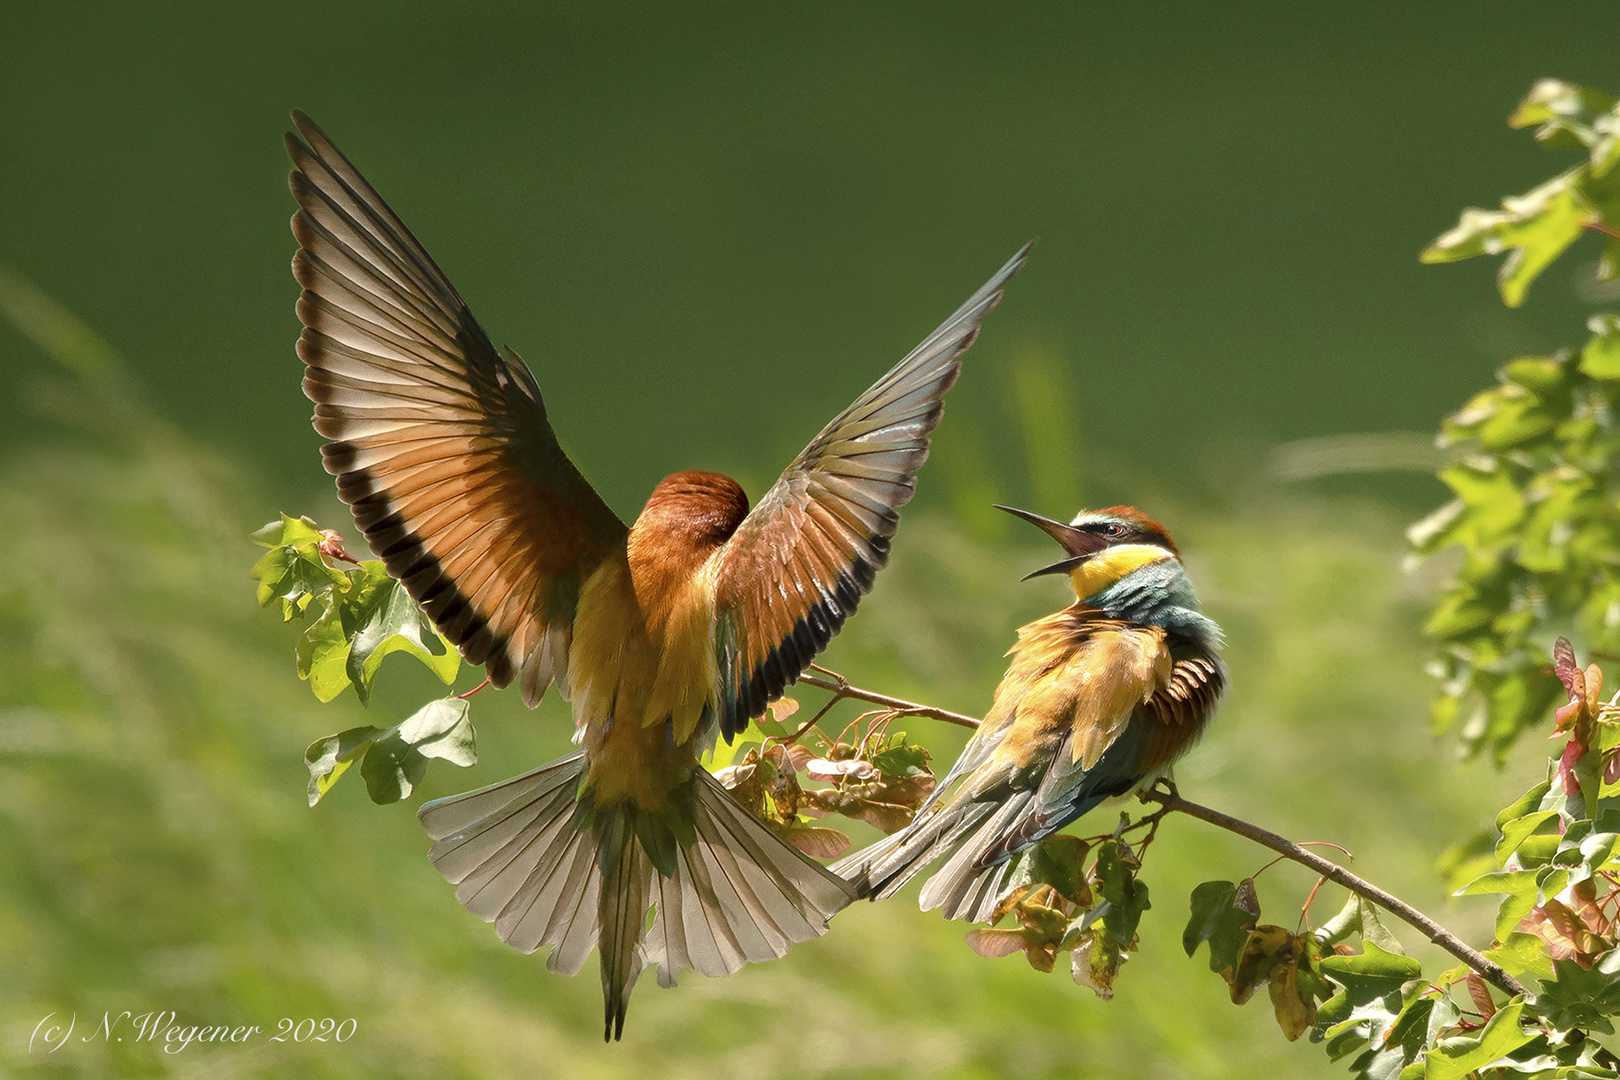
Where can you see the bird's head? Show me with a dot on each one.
(1103, 545)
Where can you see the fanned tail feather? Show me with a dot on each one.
(739, 894)
(967, 833)
(521, 857)
(622, 913)
(527, 855)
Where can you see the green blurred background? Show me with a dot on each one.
(707, 229)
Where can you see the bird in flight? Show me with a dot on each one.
(1100, 700)
(662, 636)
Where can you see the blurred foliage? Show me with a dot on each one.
(1537, 507)
(156, 854)
(1536, 227)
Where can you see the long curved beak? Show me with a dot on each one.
(1080, 545)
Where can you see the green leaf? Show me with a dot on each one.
(1375, 932)
(1360, 915)
(1410, 1030)
(1566, 113)
(1372, 997)
(1127, 897)
(387, 620)
(398, 757)
(1517, 831)
(1456, 1058)
(1550, 881)
(1521, 417)
(1493, 505)
(393, 761)
(1216, 918)
(1595, 851)
(293, 570)
(1515, 883)
(1371, 973)
(1520, 953)
(322, 651)
(288, 532)
(1575, 997)
(1601, 357)
(329, 758)
(1060, 861)
(897, 757)
(1533, 228)
(1545, 376)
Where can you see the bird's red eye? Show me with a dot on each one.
(1113, 530)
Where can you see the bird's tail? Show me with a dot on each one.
(532, 857)
(738, 893)
(968, 833)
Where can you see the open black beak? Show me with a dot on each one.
(1080, 545)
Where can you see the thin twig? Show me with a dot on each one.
(810, 723)
(474, 690)
(1489, 971)
(841, 689)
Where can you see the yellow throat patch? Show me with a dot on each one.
(1106, 567)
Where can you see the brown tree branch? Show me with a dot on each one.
(1171, 802)
(840, 689)
(1489, 971)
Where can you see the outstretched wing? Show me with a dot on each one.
(800, 562)
(440, 444)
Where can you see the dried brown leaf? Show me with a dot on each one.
(822, 843)
(799, 755)
(990, 942)
(1480, 995)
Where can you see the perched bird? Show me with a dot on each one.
(1099, 700)
(662, 635)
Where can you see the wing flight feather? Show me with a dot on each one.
(800, 562)
(439, 443)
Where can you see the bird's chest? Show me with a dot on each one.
(1081, 685)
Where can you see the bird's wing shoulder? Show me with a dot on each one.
(1177, 712)
(439, 443)
(799, 564)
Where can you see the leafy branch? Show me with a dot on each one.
(1560, 919)
(1172, 802)
(357, 618)
(1535, 477)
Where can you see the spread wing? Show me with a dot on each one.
(800, 562)
(440, 445)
